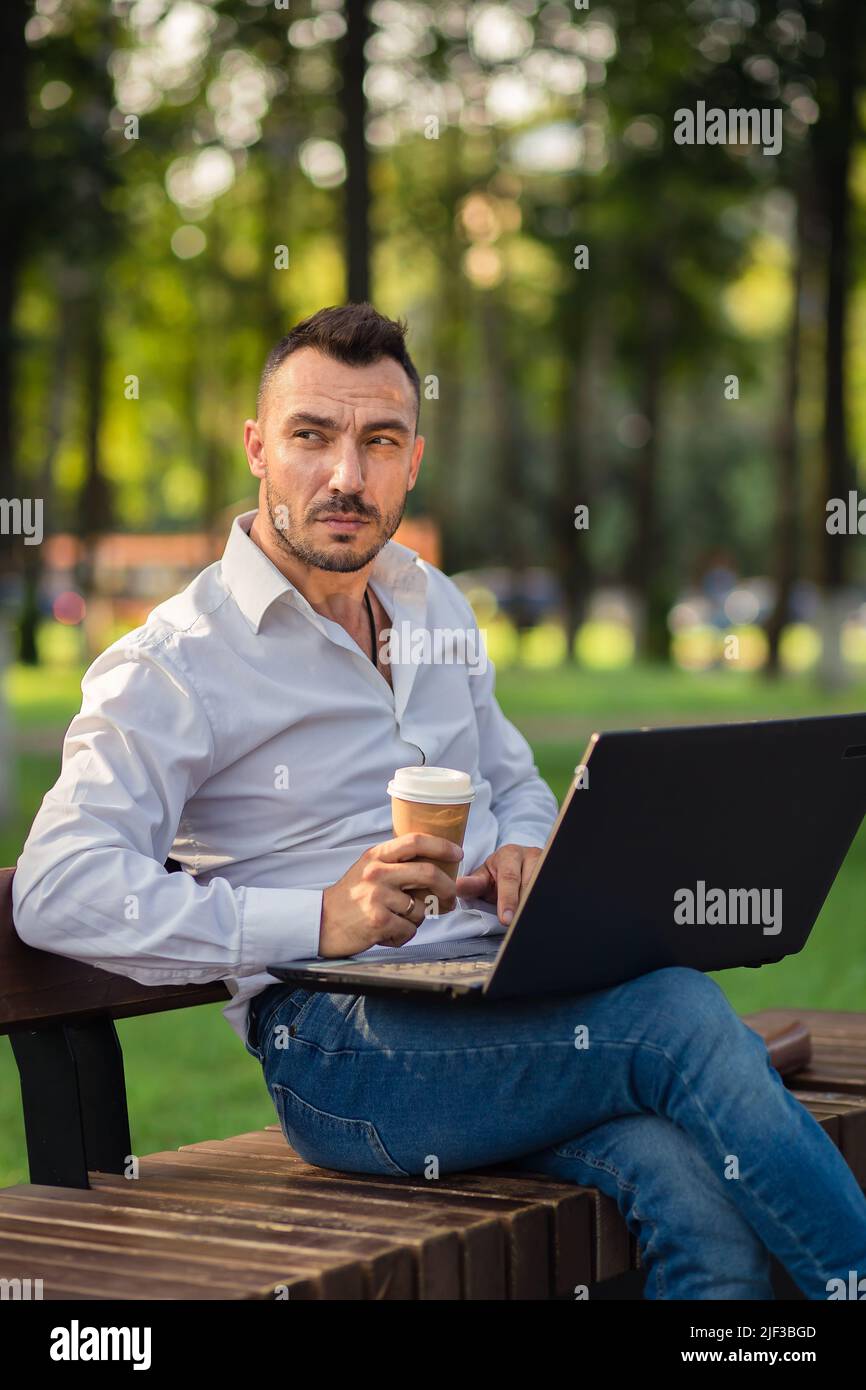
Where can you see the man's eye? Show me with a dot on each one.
(304, 434)
(382, 439)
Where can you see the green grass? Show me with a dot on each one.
(32, 775)
(40, 698)
(189, 1078)
(657, 695)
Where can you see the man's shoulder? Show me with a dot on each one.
(171, 628)
(198, 604)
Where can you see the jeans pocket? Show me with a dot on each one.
(286, 1013)
(330, 1141)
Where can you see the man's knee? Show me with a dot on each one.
(692, 1007)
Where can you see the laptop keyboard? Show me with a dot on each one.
(432, 970)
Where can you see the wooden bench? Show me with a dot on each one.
(246, 1218)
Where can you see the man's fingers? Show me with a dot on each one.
(404, 904)
(416, 846)
(508, 874)
(426, 878)
(479, 884)
(396, 931)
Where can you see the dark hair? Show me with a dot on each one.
(354, 333)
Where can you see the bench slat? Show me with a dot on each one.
(821, 1023)
(302, 1247)
(572, 1208)
(838, 1061)
(851, 1111)
(297, 1249)
(531, 1240)
(123, 1265)
(436, 1249)
(474, 1245)
(570, 1211)
(833, 1075)
(482, 1241)
(200, 1258)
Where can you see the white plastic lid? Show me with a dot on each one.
(431, 784)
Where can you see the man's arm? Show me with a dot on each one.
(90, 881)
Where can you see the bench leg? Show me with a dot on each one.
(102, 1094)
(74, 1100)
(52, 1107)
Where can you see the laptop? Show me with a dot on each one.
(709, 846)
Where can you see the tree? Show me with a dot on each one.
(840, 80)
(16, 173)
(357, 191)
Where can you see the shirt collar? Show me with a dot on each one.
(255, 583)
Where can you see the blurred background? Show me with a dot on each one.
(642, 362)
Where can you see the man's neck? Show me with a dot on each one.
(336, 595)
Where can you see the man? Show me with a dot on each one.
(250, 727)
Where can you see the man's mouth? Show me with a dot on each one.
(342, 523)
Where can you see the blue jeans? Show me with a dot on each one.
(654, 1091)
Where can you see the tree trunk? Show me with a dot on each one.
(55, 415)
(446, 413)
(644, 571)
(16, 177)
(508, 490)
(95, 502)
(569, 545)
(787, 548)
(834, 154)
(357, 195)
(273, 319)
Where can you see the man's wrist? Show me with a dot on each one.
(526, 841)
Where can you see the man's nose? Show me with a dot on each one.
(347, 474)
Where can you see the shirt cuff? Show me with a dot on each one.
(529, 839)
(279, 924)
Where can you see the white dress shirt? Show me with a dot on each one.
(250, 738)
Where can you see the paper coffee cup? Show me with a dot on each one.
(432, 801)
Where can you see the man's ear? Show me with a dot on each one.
(254, 447)
(417, 453)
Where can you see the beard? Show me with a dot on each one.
(290, 531)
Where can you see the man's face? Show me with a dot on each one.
(336, 452)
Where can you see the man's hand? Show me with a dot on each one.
(501, 879)
(371, 905)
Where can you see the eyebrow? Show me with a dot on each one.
(304, 417)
